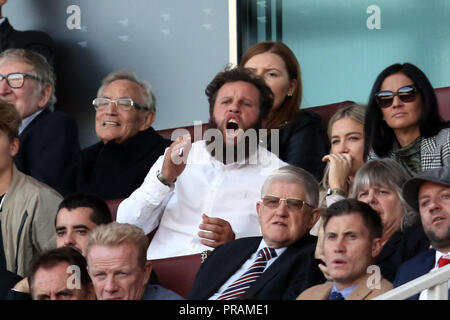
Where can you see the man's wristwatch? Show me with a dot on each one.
(340, 192)
(163, 180)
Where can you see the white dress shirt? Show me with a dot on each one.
(424, 294)
(205, 186)
(246, 266)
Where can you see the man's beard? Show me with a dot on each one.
(439, 243)
(239, 151)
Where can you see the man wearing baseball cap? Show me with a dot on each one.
(429, 194)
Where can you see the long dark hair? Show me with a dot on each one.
(378, 135)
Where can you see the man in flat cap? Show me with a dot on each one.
(429, 194)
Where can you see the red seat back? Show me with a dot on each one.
(177, 273)
(443, 97)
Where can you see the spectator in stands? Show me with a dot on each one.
(78, 214)
(300, 140)
(346, 135)
(429, 194)
(117, 165)
(379, 183)
(212, 184)
(37, 41)
(284, 253)
(403, 121)
(48, 140)
(116, 256)
(352, 241)
(28, 207)
(60, 274)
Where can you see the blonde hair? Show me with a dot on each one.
(114, 233)
(356, 112)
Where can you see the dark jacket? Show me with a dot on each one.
(49, 147)
(415, 268)
(302, 143)
(294, 271)
(114, 170)
(37, 41)
(401, 247)
(7, 281)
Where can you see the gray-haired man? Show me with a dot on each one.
(124, 112)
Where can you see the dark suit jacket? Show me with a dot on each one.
(414, 268)
(7, 281)
(49, 147)
(301, 143)
(294, 271)
(401, 247)
(115, 170)
(37, 41)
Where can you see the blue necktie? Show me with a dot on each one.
(335, 295)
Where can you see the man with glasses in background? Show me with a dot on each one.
(117, 165)
(49, 143)
(278, 265)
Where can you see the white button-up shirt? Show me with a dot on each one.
(206, 186)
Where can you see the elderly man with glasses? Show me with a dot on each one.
(278, 265)
(124, 112)
(49, 143)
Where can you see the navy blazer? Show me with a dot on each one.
(7, 281)
(415, 268)
(290, 274)
(49, 147)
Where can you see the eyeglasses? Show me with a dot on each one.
(405, 94)
(292, 204)
(123, 103)
(17, 79)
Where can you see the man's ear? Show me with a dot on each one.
(46, 93)
(258, 207)
(315, 215)
(147, 271)
(147, 120)
(376, 247)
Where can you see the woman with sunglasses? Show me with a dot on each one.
(300, 140)
(403, 121)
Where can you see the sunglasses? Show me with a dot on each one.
(405, 94)
(292, 204)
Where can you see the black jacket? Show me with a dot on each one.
(401, 246)
(7, 281)
(294, 271)
(114, 170)
(302, 143)
(37, 41)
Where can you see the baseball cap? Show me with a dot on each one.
(412, 186)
